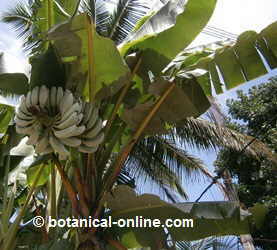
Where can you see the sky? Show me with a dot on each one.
(234, 16)
(11, 45)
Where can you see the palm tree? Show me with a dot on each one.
(73, 55)
(220, 243)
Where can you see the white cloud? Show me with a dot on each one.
(14, 57)
(237, 16)
(15, 64)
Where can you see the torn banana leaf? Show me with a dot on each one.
(209, 218)
(187, 99)
(250, 57)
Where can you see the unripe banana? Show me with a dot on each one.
(80, 118)
(28, 100)
(43, 96)
(94, 131)
(21, 115)
(76, 107)
(23, 107)
(69, 132)
(23, 123)
(66, 102)
(35, 96)
(53, 97)
(24, 130)
(58, 147)
(70, 121)
(86, 149)
(88, 108)
(59, 95)
(92, 119)
(54, 120)
(71, 141)
(94, 142)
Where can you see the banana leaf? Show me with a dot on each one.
(209, 218)
(93, 61)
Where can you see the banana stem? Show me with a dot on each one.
(6, 179)
(110, 147)
(91, 61)
(116, 108)
(120, 98)
(9, 244)
(81, 192)
(68, 186)
(49, 13)
(53, 208)
(127, 149)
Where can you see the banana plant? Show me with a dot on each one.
(101, 86)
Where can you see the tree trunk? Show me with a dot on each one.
(245, 239)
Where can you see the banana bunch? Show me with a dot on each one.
(54, 121)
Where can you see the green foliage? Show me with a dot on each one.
(22, 18)
(182, 102)
(222, 218)
(120, 24)
(229, 64)
(78, 39)
(32, 173)
(163, 31)
(33, 168)
(13, 83)
(257, 110)
(256, 177)
(6, 115)
(32, 20)
(137, 96)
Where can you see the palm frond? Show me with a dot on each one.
(215, 113)
(219, 243)
(99, 13)
(202, 134)
(125, 17)
(178, 158)
(160, 160)
(193, 167)
(124, 178)
(21, 18)
(147, 166)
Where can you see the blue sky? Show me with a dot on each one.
(11, 45)
(233, 16)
